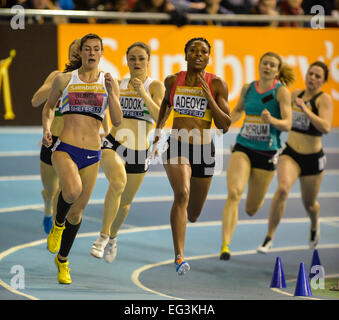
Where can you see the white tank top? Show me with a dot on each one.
(132, 105)
(89, 99)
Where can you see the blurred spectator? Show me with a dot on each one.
(214, 7)
(239, 6)
(188, 6)
(88, 5)
(266, 7)
(65, 4)
(131, 4)
(117, 6)
(335, 13)
(11, 3)
(159, 6)
(42, 5)
(291, 7)
(153, 6)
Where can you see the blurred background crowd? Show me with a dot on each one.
(179, 8)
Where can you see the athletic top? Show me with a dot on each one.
(132, 105)
(190, 102)
(89, 99)
(255, 133)
(301, 123)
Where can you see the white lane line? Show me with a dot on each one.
(22, 208)
(152, 174)
(21, 130)
(136, 273)
(297, 195)
(27, 153)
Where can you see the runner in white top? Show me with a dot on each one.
(49, 178)
(76, 157)
(124, 150)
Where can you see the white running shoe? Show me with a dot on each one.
(314, 238)
(98, 247)
(111, 250)
(266, 246)
(182, 266)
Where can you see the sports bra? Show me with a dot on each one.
(132, 105)
(255, 133)
(301, 123)
(190, 102)
(89, 99)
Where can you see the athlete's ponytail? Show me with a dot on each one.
(286, 74)
(74, 57)
(73, 65)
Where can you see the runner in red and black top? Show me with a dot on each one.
(197, 97)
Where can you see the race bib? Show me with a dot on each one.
(86, 98)
(131, 104)
(190, 102)
(255, 129)
(300, 120)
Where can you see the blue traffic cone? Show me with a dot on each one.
(303, 286)
(315, 262)
(278, 278)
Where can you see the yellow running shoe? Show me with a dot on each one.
(64, 276)
(54, 238)
(225, 253)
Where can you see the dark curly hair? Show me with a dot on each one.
(187, 45)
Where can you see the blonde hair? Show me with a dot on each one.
(286, 73)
